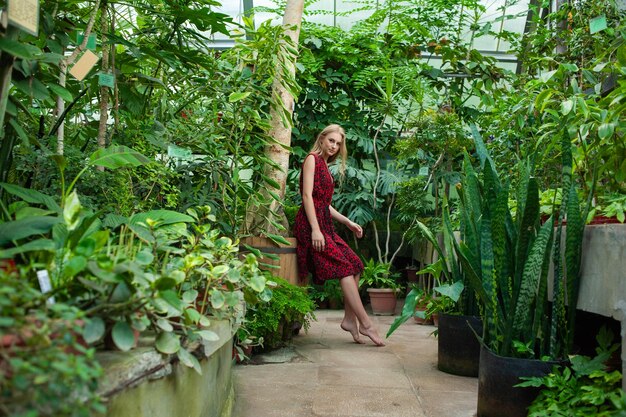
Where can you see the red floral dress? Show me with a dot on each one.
(337, 260)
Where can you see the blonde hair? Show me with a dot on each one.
(343, 149)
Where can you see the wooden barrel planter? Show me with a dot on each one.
(497, 377)
(459, 349)
(286, 266)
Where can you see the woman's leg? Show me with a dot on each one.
(353, 300)
(350, 323)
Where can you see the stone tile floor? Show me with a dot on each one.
(325, 374)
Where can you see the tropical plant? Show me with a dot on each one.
(276, 320)
(46, 369)
(378, 275)
(584, 388)
(507, 259)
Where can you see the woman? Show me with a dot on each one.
(320, 250)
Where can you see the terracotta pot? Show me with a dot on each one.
(383, 301)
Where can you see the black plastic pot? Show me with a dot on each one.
(497, 377)
(459, 350)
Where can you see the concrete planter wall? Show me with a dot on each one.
(145, 383)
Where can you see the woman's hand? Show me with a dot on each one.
(358, 230)
(318, 241)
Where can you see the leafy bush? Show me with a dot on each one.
(586, 388)
(289, 308)
(45, 368)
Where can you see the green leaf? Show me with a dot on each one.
(93, 330)
(165, 325)
(233, 97)
(161, 217)
(217, 299)
(547, 76)
(606, 130)
(123, 336)
(220, 270)
(117, 156)
(75, 265)
(567, 106)
(18, 49)
(257, 283)
(172, 299)
(34, 246)
(27, 227)
(121, 293)
(208, 335)
(189, 360)
(31, 196)
(71, 211)
(168, 343)
(407, 310)
(61, 92)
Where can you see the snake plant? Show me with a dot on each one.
(506, 258)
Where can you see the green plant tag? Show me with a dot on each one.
(91, 41)
(597, 24)
(178, 152)
(106, 79)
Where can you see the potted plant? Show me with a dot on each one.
(507, 260)
(381, 285)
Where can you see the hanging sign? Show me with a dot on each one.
(84, 65)
(91, 40)
(597, 24)
(24, 14)
(106, 79)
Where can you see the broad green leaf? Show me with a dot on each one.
(121, 293)
(31, 196)
(606, 130)
(233, 97)
(161, 217)
(34, 246)
(208, 335)
(117, 156)
(217, 299)
(257, 283)
(75, 265)
(172, 299)
(547, 76)
(451, 290)
(93, 330)
(26, 212)
(27, 227)
(71, 211)
(123, 336)
(190, 296)
(407, 310)
(567, 106)
(220, 270)
(189, 360)
(165, 325)
(168, 343)
(19, 49)
(61, 92)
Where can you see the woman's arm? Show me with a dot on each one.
(308, 176)
(344, 220)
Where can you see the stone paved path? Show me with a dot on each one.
(325, 374)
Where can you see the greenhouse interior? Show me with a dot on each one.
(312, 208)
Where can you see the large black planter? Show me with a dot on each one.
(459, 350)
(497, 376)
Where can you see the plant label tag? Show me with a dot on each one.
(84, 65)
(106, 79)
(44, 284)
(24, 14)
(597, 24)
(178, 152)
(91, 40)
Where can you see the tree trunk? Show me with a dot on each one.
(280, 129)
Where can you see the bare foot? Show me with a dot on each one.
(372, 333)
(353, 328)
